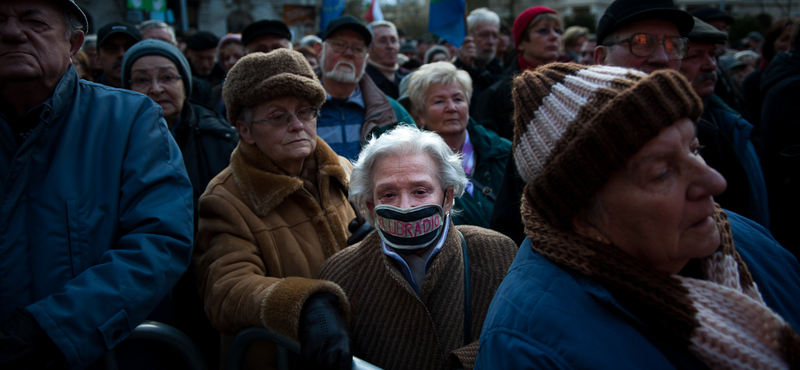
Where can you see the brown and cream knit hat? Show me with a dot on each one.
(259, 77)
(574, 126)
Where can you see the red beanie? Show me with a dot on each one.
(521, 23)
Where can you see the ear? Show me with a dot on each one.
(318, 50)
(370, 205)
(244, 132)
(587, 230)
(420, 121)
(600, 53)
(448, 199)
(75, 43)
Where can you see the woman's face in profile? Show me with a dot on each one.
(659, 207)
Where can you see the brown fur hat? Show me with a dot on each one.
(260, 77)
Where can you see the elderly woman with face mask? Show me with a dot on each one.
(440, 96)
(628, 261)
(269, 220)
(422, 284)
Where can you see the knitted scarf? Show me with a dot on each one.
(721, 319)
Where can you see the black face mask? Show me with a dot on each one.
(409, 229)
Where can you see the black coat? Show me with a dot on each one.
(482, 78)
(780, 131)
(495, 106)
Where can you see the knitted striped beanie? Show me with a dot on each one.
(576, 125)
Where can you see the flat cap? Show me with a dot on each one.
(705, 33)
(265, 27)
(348, 22)
(202, 40)
(623, 12)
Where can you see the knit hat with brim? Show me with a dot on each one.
(574, 126)
(260, 77)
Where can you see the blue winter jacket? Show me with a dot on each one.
(545, 316)
(95, 217)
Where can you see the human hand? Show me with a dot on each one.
(324, 335)
(467, 51)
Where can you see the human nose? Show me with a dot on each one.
(10, 31)
(708, 182)
(155, 87)
(294, 123)
(659, 55)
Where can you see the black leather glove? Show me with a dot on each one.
(25, 345)
(324, 336)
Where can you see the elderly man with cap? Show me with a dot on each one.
(201, 50)
(643, 35)
(266, 35)
(723, 132)
(96, 211)
(271, 218)
(383, 68)
(113, 40)
(354, 108)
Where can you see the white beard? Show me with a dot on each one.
(346, 75)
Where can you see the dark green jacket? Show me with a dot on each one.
(491, 155)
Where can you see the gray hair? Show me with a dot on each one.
(438, 49)
(404, 140)
(72, 24)
(310, 40)
(481, 15)
(372, 26)
(146, 25)
(246, 115)
(444, 73)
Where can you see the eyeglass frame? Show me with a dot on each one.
(158, 81)
(662, 42)
(346, 45)
(288, 119)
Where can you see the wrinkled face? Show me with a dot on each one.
(33, 44)
(544, 39)
(231, 54)
(620, 55)
(446, 110)
(158, 34)
(587, 52)
(700, 68)
(384, 46)
(202, 60)
(783, 42)
(285, 146)
(109, 56)
(162, 84)
(658, 208)
(267, 43)
(407, 181)
(485, 35)
(439, 57)
(343, 65)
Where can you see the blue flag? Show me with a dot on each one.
(331, 9)
(446, 20)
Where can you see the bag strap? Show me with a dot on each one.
(467, 294)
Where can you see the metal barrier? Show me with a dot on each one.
(245, 338)
(154, 331)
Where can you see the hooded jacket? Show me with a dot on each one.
(262, 238)
(95, 217)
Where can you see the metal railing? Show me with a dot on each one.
(245, 338)
(160, 333)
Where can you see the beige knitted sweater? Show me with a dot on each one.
(393, 327)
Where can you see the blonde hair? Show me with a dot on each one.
(444, 73)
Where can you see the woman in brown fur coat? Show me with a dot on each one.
(269, 220)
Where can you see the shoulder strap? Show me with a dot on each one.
(467, 293)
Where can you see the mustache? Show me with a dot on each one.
(706, 76)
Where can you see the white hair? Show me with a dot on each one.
(310, 41)
(443, 73)
(481, 15)
(146, 25)
(372, 26)
(404, 140)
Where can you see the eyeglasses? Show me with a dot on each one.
(643, 44)
(340, 47)
(279, 120)
(143, 82)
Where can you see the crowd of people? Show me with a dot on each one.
(533, 198)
